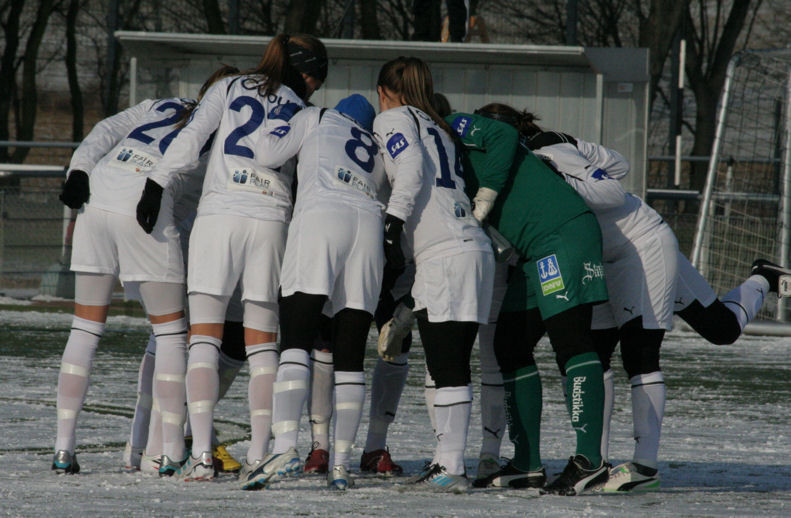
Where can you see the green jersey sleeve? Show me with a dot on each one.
(493, 144)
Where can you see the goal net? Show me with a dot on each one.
(744, 214)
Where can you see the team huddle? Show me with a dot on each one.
(291, 228)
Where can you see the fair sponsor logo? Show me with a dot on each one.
(355, 181)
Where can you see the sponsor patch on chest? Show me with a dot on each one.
(549, 275)
(396, 144)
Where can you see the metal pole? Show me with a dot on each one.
(785, 203)
(712, 169)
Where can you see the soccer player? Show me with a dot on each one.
(647, 278)
(107, 169)
(430, 215)
(553, 291)
(239, 234)
(333, 265)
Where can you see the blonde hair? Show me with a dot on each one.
(410, 79)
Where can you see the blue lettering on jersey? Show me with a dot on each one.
(549, 275)
(396, 144)
(461, 125)
(600, 174)
(284, 111)
(280, 131)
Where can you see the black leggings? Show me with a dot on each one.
(301, 321)
(639, 347)
(448, 347)
(518, 332)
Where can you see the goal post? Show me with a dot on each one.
(745, 212)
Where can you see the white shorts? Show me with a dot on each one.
(111, 243)
(225, 250)
(691, 286)
(456, 288)
(641, 282)
(335, 251)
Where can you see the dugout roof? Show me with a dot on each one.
(597, 94)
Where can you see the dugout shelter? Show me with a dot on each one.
(597, 94)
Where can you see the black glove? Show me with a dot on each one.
(76, 189)
(392, 242)
(148, 206)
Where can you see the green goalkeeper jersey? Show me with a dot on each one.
(532, 200)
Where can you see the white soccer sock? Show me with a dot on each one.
(228, 370)
(169, 376)
(203, 381)
(746, 299)
(138, 436)
(263, 368)
(387, 384)
(75, 369)
(322, 389)
(154, 443)
(430, 393)
(452, 406)
(648, 409)
(493, 424)
(289, 394)
(609, 402)
(349, 398)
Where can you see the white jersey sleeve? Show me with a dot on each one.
(612, 162)
(398, 135)
(284, 142)
(106, 134)
(185, 149)
(591, 181)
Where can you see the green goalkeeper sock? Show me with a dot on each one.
(585, 400)
(523, 406)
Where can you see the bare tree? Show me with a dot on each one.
(368, 21)
(77, 106)
(211, 9)
(713, 33)
(303, 15)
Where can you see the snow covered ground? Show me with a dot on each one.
(725, 446)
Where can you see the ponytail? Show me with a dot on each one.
(523, 121)
(277, 66)
(410, 79)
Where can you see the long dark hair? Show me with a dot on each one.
(276, 67)
(223, 71)
(523, 121)
(410, 78)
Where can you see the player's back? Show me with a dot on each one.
(235, 183)
(118, 178)
(339, 163)
(441, 218)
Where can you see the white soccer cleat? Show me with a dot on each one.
(632, 478)
(65, 462)
(150, 463)
(393, 332)
(340, 478)
(437, 479)
(200, 468)
(132, 457)
(274, 466)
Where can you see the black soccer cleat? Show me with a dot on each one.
(578, 477)
(771, 272)
(509, 476)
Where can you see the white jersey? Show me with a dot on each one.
(338, 161)
(230, 118)
(120, 151)
(594, 172)
(425, 173)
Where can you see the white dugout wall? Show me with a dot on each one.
(600, 95)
